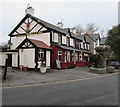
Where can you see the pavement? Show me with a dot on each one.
(17, 78)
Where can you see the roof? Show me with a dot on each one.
(40, 44)
(72, 49)
(102, 41)
(34, 43)
(81, 36)
(94, 36)
(75, 36)
(44, 23)
(51, 26)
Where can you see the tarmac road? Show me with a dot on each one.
(94, 91)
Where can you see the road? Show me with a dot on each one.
(95, 91)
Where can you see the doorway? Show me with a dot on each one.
(9, 60)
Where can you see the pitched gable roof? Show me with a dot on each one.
(94, 36)
(34, 43)
(40, 44)
(44, 23)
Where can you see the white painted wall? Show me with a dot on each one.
(48, 59)
(27, 57)
(15, 60)
(45, 37)
(16, 41)
(3, 57)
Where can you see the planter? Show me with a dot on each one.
(25, 68)
(110, 69)
(98, 70)
(43, 69)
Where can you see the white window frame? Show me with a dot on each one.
(41, 51)
(60, 54)
(59, 39)
(76, 56)
(68, 56)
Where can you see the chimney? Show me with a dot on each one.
(60, 24)
(30, 11)
(73, 30)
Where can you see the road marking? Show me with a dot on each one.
(57, 82)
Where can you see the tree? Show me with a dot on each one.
(104, 52)
(79, 29)
(113, 40)
(90, 29)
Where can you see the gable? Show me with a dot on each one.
(27, 25)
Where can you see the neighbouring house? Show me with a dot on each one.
(34, 39)
(93, 39)
(102, 41)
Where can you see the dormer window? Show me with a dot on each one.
(67, 41)
(59, 39)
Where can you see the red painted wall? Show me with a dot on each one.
(63, 63)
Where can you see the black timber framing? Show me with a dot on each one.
(23, 21)
(36, 59)
(51, 47)
(18, 59)
(23, 43)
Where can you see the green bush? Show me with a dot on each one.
(99, 66)
(95, 60)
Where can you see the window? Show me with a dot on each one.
(67, 41)
(41, 54)
(88, 46)
(60, 55)
(79, 45)
(76, 56)
(59, 39)
(73, 56)
(67, 56)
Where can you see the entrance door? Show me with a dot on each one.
(10, 60)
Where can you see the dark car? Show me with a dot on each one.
(116, 64)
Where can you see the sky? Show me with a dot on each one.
(103, 13)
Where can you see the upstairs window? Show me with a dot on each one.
(67, 41)
(79, 45)
(59, 39)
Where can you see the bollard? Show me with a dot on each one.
(5, 71)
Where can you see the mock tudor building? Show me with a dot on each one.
(34, 39)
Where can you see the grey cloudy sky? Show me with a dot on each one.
(102, 14)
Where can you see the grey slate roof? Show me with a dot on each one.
(72, 49)
(75, 36)
(81, 37)
(51, 26)
(94, 36)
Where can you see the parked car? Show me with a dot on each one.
(116, 64)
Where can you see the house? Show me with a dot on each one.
(93, 39)
(102, 41)
(34, 39)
